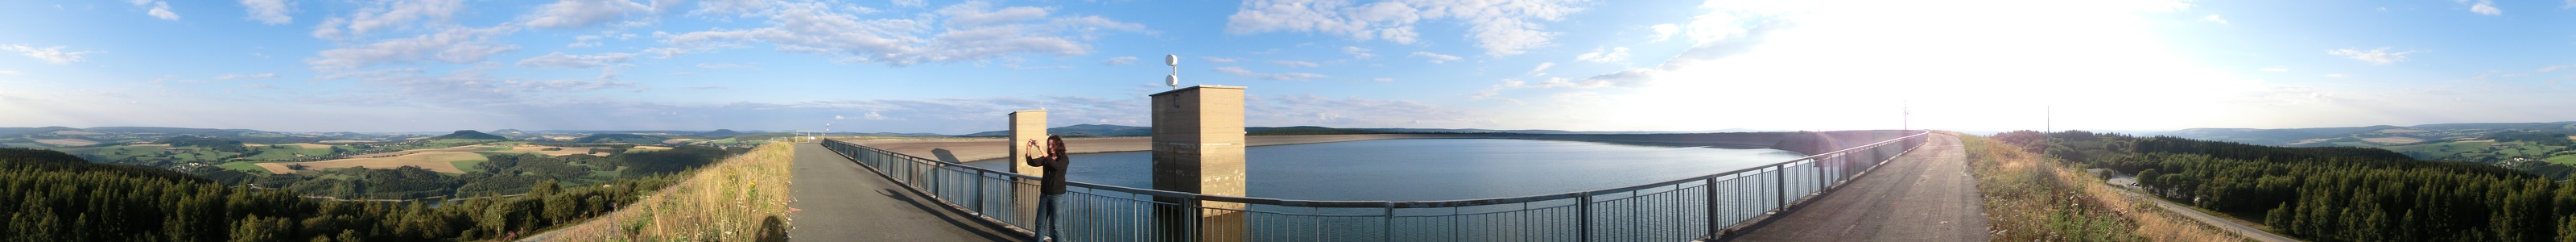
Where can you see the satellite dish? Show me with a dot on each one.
(1172, 60)
(1172, 80)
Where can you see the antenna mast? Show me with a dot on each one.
(1173, 80)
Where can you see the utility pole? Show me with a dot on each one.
(1906, 120)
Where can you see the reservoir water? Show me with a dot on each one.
(1439, 169)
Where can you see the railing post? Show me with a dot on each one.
(1710, 186)
(979, 192)
(1780, 181)
(1387, 226)
(1583, 220)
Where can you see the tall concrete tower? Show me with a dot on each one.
(1026, 126)
(1198, 148)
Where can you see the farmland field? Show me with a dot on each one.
(67, 142)
(243, 166)
(434, 161)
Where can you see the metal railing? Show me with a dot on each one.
(1697, 208)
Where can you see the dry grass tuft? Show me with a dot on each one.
(2031, 200)
(741, 199)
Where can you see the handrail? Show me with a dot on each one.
(1396, 204)
(1705, 207)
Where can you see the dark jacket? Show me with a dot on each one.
(1054, 163)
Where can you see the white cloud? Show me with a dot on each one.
(2213, 18)
(2275, 69)
(1435, 58)
(1542, 68)
(160, 9)
(683, 73)
(973, 32)
(1220, 59)
(911, 3)
(453, 45)
(246, 76)
(1502, 28)
(49, 54)
(391, 15)
(584, 41)
(561, 60)
(1122, 60)
(1615, 54)
(2374, 56)
(584, 13)
(722, 66)
(2555, 68)
(271, 12)
(2485, 7)
(1664, 32)
(705, 87)
(1290, 63)
(2338, 75)
(9, 72)
(1289, 76)
(1382, 79)
(1363, 53)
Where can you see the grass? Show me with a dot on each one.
(2029, 199)
(469, 166)
(743, 198)
(244, 166)
(2563, 160)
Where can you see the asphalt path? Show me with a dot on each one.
(839, 200)
(1925, 195)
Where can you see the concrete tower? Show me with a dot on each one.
(1198, 148)
(1026, 126)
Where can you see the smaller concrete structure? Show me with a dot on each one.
(1026, 126)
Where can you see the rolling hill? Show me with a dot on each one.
(469, 134)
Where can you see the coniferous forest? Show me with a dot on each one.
(52, 196)
(2331, 193)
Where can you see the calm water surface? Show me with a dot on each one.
(1440, 169)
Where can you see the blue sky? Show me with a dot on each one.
(957, 67)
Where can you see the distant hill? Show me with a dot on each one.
(469, 134)
(1079, 130)
(509, 132)
(2376, 135)
(621, 138)
(719, 133)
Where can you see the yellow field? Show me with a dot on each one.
(649, 147)
(67, 142)
(434, 161)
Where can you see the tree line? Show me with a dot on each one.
(2331, 193)
(51, 196)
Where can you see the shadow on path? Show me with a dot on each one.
(899, 195)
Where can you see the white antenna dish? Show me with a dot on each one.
(1173, 80)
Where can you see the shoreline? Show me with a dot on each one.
(961, 150)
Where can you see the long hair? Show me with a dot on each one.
(1055, 147)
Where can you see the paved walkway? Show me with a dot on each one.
(1926, 195)
(839, 200)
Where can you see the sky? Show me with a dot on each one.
(956, 67)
